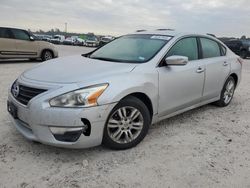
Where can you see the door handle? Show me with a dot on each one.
(225, 63)
(200, 70)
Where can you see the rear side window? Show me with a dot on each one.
(4, 33)
(210, 48)
(185, 47)
(20, 34)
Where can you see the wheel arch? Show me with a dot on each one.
(235, 77)
(145, 99)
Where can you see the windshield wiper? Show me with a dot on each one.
(106, 59)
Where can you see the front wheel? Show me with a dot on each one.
(46, 55)
(127, 124)
(227, 92)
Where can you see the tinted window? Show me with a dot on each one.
(21, 35)
(210, 48)
(185, 47)
(4, 33)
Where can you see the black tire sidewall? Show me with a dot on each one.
(139, 105)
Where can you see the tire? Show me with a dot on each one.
(243, 54)
(129, 130)
(227, 93)
(46, 55)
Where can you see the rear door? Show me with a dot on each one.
(25, 46)
(7, 44)
(217, 67)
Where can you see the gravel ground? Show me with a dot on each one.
(205, 147)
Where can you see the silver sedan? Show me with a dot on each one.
(111, 96)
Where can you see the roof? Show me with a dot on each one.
(168, 32)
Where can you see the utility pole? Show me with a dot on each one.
(66, 24)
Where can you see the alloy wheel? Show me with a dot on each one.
(229, 91)
(48, 55)
(125, 124)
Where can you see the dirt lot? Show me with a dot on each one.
(206, 147)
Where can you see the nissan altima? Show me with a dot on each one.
(113, 94)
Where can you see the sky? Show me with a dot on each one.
(117, 17)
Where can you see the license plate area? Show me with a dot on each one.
(12, 109)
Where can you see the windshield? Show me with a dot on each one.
(132, 48)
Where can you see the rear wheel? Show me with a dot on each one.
(47, 55)
(127, 124)
(227, 92)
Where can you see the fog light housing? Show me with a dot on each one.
(67, 134)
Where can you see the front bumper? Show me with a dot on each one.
(35, 119)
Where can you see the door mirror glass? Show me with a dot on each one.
(176, 60)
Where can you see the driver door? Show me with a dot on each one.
(181, 86)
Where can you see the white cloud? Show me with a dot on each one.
(224, 17)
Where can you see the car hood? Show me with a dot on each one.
(74, 69)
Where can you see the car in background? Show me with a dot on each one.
(112, 95)
(91, 41)
(43, 37)
(80, 42)
(69, 41)
(19, 43)
(105, 40)
(239, 47)
(57, 39)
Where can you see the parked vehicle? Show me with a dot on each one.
(80, 42)
(18, 43)
(113, 94)
(240, 47)
(91, 41)
(43, 37)
(105, 40)
(69, 41)
(57, 39)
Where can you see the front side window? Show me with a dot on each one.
(20, 35)
(185, 47)
(4, 33)
(210, 48)
(137, 48)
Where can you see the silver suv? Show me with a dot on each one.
(18, 43)
(111, 95)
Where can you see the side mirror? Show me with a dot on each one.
(32, 38)
(176, 60)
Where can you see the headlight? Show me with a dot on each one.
(79, 98)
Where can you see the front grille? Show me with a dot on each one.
(25, 94)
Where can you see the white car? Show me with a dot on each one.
(57, 39)
(111, 96)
